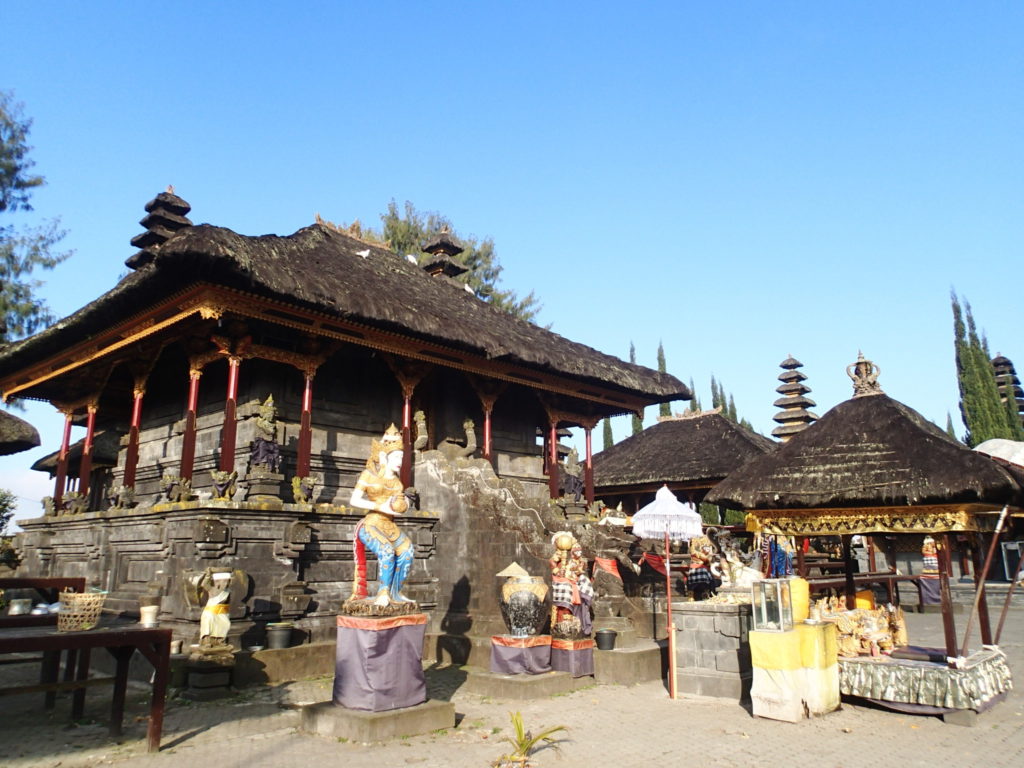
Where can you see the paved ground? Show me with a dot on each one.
(608, 725)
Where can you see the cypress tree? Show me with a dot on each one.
(984, 415)
(731, 411)
(664, 409)
(607, 438)
(949, 427)
(694, 401)
(638, 421)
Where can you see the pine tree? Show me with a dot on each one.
(638, 421)
(21, 250)
(404, 232)
(608, 440)
(664, 409)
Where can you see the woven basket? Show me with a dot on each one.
(79, 611)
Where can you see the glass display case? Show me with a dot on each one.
(772, 605)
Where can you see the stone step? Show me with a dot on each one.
(643, 662)
(520, 687)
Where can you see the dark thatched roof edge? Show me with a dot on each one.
(355, 281)
(868, 452)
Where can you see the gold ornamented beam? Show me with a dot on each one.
(938, 518)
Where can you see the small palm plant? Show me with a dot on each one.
(524, 743)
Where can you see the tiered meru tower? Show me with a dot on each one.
(794, 416)
(1008, 384)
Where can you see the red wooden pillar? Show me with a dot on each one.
(188, 443)
(553, 460)
(488, 409)
(306, 428)
(588, 469)
(230, 427)
(405, 474)
(131, 458)
(62, 463)
(85, 465)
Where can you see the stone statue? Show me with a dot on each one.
(75, 503)
(303, 488)
(572, 476)
(420, 420)
(379, 490)
(571, 589)
(264, 451)
(215, 623)
(223, 484)
(121, 497)
(735, 568)
(177, 489)
(212, 590)
(455, 449)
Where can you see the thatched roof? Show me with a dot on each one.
(695, 449)
(325, 270)
(16, 434)
(869, 451)
(105, 447)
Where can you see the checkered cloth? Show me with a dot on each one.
(562, 592)
(700, 579)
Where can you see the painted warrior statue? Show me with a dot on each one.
(571, 589)
(700, 581)
(379, 490)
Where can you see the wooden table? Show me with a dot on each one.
(121, 641)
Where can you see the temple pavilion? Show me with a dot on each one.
(319, 340)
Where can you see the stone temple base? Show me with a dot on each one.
(712, 650)
(520, 687)
(326, 719)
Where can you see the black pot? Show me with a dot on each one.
(605, 639)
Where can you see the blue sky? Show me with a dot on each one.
(742, 181)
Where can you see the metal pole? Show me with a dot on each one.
(670, 628)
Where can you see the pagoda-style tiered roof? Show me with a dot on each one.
(1008, 383)
(794, 416)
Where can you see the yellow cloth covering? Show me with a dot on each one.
(795, 672)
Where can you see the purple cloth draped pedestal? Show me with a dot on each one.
(379, 662)
(520, 655)
(573, 656)
(930, 593)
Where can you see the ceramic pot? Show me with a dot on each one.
(524, 605)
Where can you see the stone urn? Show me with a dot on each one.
(524, 601)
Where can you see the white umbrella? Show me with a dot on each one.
(668, 517)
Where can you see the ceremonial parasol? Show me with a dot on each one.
(668, 517)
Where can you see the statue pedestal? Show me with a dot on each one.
(261, 485)
(573, 656)
(520, 655)
(378, 662)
